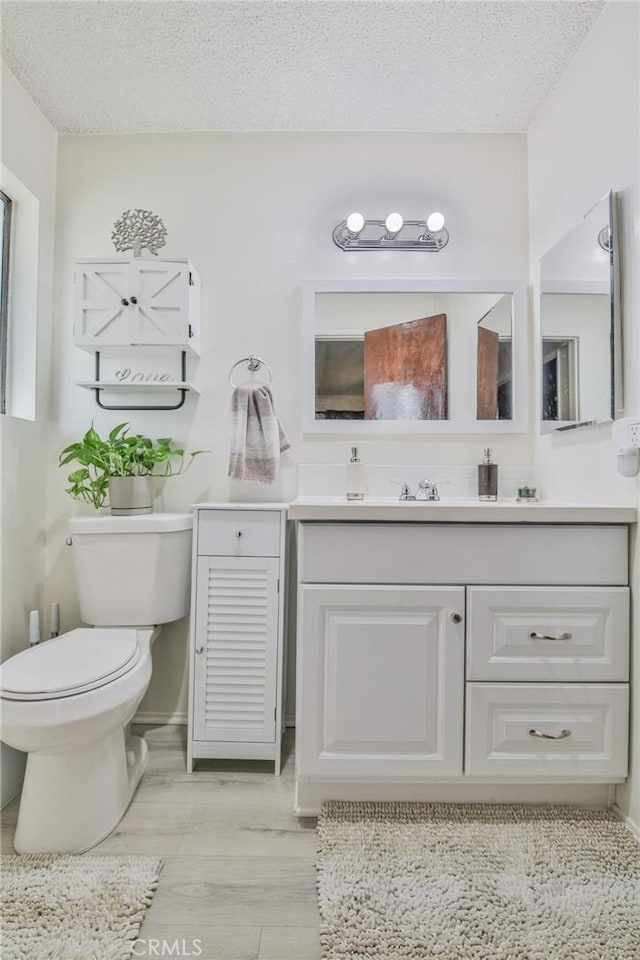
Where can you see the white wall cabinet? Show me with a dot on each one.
(137, 302)
(237, 633)
(404, 629)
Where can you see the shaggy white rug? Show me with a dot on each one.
(73, 907)
(477, 882)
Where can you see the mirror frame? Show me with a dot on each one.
(616, 404)
(518, 423)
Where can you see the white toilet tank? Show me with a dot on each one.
(132, 571)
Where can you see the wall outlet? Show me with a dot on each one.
(625, 434)
(633, 433)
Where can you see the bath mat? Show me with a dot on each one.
(73, 907)
(476, 882)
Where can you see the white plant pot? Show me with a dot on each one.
(130, 496)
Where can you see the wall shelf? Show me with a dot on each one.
(167, 386)
(141, 305)
(98, 385)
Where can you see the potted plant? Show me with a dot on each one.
(121, 468)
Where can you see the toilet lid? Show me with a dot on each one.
(72, 663)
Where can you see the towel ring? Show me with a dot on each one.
(254, 364)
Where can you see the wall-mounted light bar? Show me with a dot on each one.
(394, 233)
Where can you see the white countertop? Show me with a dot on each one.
(458, 511)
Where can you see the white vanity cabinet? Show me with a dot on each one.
(137, 302)
(237, 633)
(459, 652)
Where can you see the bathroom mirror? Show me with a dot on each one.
(580, 324)
(413, 356)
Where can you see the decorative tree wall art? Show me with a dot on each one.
(137, 230)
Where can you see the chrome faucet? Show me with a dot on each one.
(427, 490)
(405, 492)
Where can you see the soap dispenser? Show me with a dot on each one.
(487, 478)
(355, 477)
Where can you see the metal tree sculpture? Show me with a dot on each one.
(138, 229)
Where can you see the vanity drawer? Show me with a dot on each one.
(451, 553)
(548, 633)
(585, 725)
(239, 533)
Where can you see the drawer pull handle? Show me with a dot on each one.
(550, 736)
(545, 636)
(199, 649)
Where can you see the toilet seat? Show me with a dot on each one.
(76, 662)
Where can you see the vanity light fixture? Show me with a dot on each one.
(393, 233)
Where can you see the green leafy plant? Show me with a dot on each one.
(122, 454)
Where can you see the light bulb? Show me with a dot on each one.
(355, 222)
(435, 222)
(394, 223)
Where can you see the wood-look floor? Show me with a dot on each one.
(238, 881)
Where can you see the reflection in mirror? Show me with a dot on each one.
(579, 321)
(494, 378)
(412, 356)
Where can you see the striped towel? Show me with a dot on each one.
(257, 437)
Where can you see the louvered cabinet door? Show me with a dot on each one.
(236, 654)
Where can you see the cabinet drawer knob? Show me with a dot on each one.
(550, 736)
(534, 635)
(124, 302)
(133, 299)
(238, 533)
(455, 617)
(199, 649)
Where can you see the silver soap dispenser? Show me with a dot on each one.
(355, 477)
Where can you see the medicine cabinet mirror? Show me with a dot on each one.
(580, 323)
(413, 356)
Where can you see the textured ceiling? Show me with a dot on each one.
(405, 65)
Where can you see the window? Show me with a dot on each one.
(5, 237)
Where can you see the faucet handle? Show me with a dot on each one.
(405, 490)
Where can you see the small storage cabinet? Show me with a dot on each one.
(237, 633)
(138, 302)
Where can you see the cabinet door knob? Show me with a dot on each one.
(124, 302)
(199, 650)
(455, 617)
(545, 636)
(238, 533)
(133, 299)
(550, 736)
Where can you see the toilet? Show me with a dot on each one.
(67, 702)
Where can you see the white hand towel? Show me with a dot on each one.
(257, 437)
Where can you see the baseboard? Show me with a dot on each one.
(631, 824)
(147, 717)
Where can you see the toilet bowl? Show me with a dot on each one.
(67, 702)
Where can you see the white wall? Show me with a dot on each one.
(583, 143)
(29, 152)
(255, 214)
